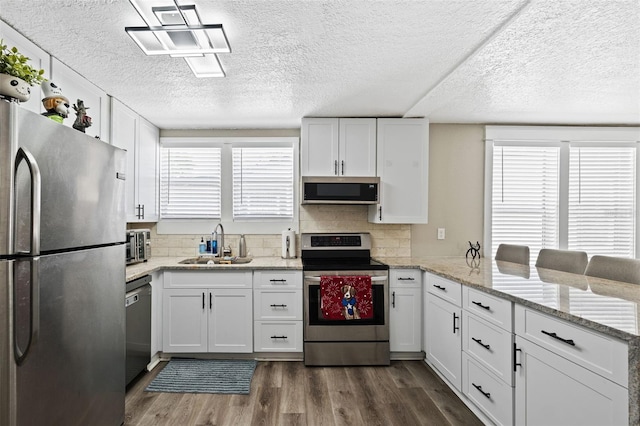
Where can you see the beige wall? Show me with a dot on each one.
(456, 188)
(456, 191)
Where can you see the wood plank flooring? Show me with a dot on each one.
(288, 393)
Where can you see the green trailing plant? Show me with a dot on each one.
(14, 63)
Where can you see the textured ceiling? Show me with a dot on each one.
(489, 61)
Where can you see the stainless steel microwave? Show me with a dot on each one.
(138, 245)
(340, 190)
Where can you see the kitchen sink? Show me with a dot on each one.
(209, 260)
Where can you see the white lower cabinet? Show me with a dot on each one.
(490, 394)
(521, 366)
(405, 310)
(551, 390)
(444, 337)
(203, 314)
(277, 311)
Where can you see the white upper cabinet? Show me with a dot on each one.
(38, 59)
(403, 168)
(338, 147)
(140, 139)
(75, 87)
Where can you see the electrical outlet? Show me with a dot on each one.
(441, 233)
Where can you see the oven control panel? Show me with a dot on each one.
(336, 241)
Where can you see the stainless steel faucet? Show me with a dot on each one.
(220, 239)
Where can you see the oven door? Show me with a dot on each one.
(319, 329)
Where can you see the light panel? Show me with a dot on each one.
(178, 31)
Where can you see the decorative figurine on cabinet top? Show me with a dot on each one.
(54, 102)
(82, 119)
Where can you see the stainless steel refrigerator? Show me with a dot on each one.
(62, 274)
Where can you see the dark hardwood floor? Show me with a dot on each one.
(288, 393)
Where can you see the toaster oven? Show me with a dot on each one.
(138, 245)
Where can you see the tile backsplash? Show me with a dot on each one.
(387, 240)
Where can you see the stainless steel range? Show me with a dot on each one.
(342, 328)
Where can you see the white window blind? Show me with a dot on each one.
(525, 197)
(263, 183)
(601, 200)
(190, 183)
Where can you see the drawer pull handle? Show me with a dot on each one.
(480, 305)
(440, 287)
(406, 279)
(455, 317)
(393, 299)
(278, 306)
(479, 341)
(486, 394)
(278, 337)
(281, 281)
(555, 336)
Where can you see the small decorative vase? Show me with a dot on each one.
(14, 88)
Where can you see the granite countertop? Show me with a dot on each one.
(157, 263)
(610, 307)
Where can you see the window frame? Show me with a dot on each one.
(562, 137)
(253, 226)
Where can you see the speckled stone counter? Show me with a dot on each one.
(173, 263)
(613, 307)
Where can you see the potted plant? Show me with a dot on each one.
(16, 75)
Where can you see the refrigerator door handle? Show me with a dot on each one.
(20, 354)
(34, 262)
(36, 190)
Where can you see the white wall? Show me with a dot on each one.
(456, 191)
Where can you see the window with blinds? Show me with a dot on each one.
(190, 183)
(562, 187)
(525, 197)
(602, 200)
(262, 183)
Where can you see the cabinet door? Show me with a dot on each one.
(230, 320)
(147, 170)
(550, 390)
(443, 335)
(319, 149)
(123, 135)
(405, 319)
(357, 147)
(75, 87)
(184, 322)
(38, 59)
(403, 160)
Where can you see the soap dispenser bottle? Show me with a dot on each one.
(203, 246)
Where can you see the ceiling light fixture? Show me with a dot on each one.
(178, 31)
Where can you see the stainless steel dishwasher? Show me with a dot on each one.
(138, 324)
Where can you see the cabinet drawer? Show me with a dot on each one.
(597, 352)
(277, 336)
(277, 279)
(405, 277)
(493, 309)
(277, 305)
(445, 289)
(489, 394)
(491, 346)
(210, 279)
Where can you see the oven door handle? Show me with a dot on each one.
(373, 279)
